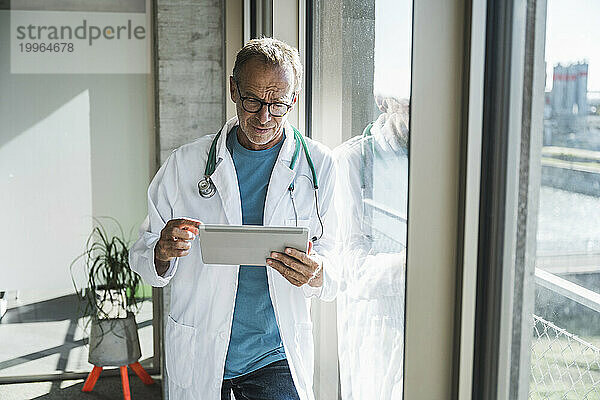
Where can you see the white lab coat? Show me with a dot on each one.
(202, 295)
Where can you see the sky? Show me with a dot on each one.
(393, 30)
(573, 34)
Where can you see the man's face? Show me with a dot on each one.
(270, 84)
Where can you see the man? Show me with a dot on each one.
(244, 329)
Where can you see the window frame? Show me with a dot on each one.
(435, 194)
(512, 122)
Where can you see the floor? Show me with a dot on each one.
(43, 332)
(107, 388)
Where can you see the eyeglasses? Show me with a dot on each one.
(254, 105)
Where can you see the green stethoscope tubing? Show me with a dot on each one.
(211, 165)
(211, 162)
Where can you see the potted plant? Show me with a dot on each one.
(109, 298)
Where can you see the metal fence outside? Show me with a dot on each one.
(563, 366)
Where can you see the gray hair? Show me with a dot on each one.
(271, 52)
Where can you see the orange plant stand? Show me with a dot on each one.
(136, 367)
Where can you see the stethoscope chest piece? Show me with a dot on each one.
(206, 187)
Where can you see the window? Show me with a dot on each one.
(537, 311)
(361, 75)
(565, 352)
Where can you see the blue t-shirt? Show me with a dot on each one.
(255, 340)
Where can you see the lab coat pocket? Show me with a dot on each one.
(301, 222)
(303, 333)
(180, 352)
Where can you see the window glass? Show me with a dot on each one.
(76, 142)
(360, 105)
(565, 361)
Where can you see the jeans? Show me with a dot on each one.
(271, 382)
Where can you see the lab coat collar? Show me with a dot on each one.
(225, 178)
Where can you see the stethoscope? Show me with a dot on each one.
(207, 188)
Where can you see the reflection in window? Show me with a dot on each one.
(361, 99)
(566, 343)
(373, 183)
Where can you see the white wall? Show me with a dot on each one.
(71, 147)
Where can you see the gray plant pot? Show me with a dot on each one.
(114, 342)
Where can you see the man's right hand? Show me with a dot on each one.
(175, 241)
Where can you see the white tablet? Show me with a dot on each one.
(248, 244)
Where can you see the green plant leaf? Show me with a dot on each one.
(106, 263)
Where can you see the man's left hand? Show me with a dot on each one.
(298, 267)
